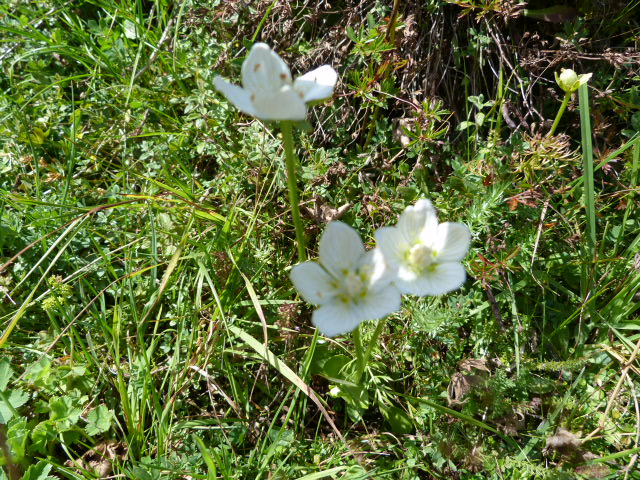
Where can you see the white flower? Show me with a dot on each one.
(349, 284)
(425, 254)
(570, 81)
(267, 91)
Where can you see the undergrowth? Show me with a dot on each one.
(149, 326)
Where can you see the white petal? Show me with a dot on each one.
(336, 318)
(340, 249)
(317, 84)
(240, 97)
(444, 278)
(406, 275)
(380, 273)
(393, 245)
(424, 204)
(452, 242)
(417, 219)
(284, 104)
(380, 302)
(264, 71)
(314, 284)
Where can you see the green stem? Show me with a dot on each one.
(363, 358)
(565, 102)
(360, 363)
(290, 157)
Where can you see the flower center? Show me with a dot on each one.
(420, 257)
(353, 286)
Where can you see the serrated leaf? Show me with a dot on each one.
(39, 471)
(64, 413)
(41, 435)
(9, 401)
(98, 421)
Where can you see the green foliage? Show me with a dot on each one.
(145, 236)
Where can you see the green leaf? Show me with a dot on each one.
(38, 136)
(354, 395)
(17, 435)
(477, 101)
(465, 124)
(5, 373)
(38, 373)
(98, 420)
(9, 401)
(41, 435)
(635, 121)
(399, 421)
(64, 413)
(39, 471)
(332, 368)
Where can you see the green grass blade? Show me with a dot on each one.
(206, 455)
(285, 371)
(587, 156)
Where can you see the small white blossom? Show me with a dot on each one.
(426, 255)
(570, 81)
(267, 90)
(349, 284)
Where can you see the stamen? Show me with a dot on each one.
(420, 257)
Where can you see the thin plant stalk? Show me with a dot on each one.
(363, 356)
(290, 158)
(565, 102)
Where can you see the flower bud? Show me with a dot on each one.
(567, 79)
(570, 81)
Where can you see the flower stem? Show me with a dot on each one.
(565, 102)
(360, 364)
(363, 358)
(290, 157)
